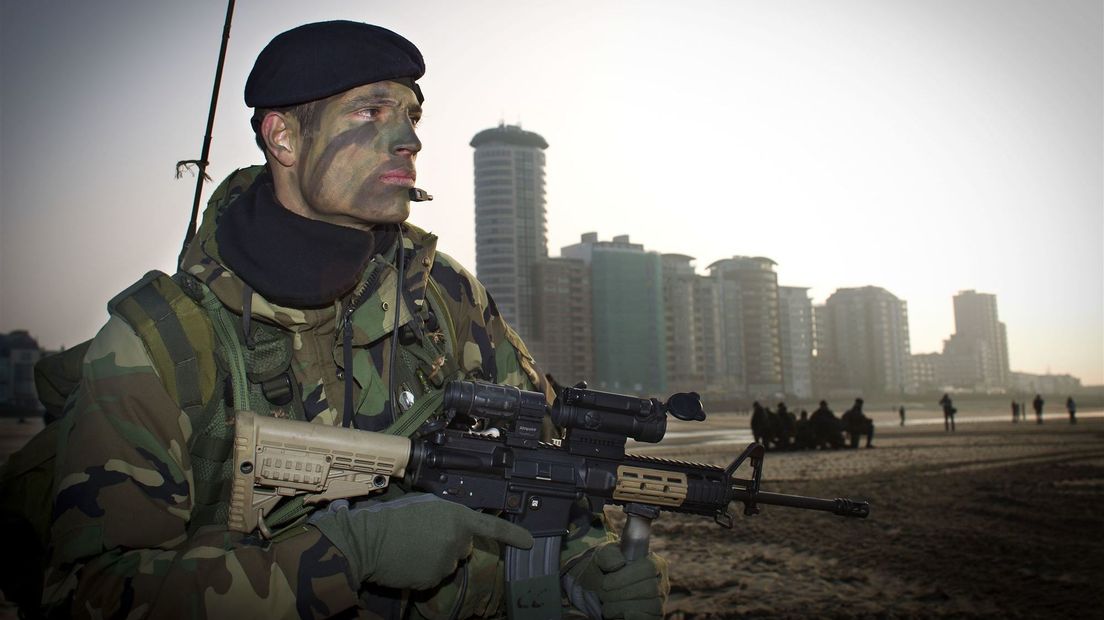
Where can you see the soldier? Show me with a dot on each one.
(324, 306)
(760, 424)
(826, 427)
(856, 424)
(948, 412)
(787, 424)
(803, 433)
(1037, 404)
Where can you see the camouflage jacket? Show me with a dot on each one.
(124, 541)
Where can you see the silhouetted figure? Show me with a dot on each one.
(826, 428)
(804, 439)
(901, 412)
(759, 423)
(948, 412)
(777, 434)
(787, 427)
(1038, 405)
(1015, 412)
(1071, 407)
(856, 424)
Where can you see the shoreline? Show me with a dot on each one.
(997, 520)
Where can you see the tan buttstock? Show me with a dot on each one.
(276, 458)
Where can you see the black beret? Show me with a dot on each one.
(315, 61)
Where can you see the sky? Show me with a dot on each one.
(923, 146)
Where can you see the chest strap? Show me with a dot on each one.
(178, 337)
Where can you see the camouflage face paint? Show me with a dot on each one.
(357, 156)
(309, 117)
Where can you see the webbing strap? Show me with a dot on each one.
(181, 352)
(430, 403)
(231, 347)
(409, 421)
(444, 317)
(175, 333)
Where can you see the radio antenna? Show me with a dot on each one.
(202, 162)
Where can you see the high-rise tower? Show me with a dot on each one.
(510, 225)
(748, 297)
(795, 318)
(977, 353)
(864, 334)
(563, 315)
(630, 347)
(684, 350)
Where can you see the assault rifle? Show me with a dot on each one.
(511, 471)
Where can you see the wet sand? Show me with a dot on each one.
(995, 520)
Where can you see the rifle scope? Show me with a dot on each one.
(642, 419)
(588, 411)
(474, 398)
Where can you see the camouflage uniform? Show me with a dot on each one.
(130, 537)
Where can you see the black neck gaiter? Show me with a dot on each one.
(291, 260)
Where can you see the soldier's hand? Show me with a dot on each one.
(604, 585)
(413, 542)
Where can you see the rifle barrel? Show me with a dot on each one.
(839, 506)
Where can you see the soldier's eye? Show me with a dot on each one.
(371, 113)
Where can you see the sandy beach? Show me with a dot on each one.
(994, 520)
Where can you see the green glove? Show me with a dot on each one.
(602, 584)
(413, 542)
(480, 578)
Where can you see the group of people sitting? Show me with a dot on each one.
(782, 430)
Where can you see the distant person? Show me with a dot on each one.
(948, 412)
(1015, 412)
(856, 424)
(826, 428)
(1038, 405)
(776, 433)
(759, 423)
(901, 412)
(803, 433)
(787, 427)
(1071, 407)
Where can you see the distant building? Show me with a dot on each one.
(563, 343)
(748, 296)
(795, 313)
(1054, 385)
(709, 330)
(630, 344)
(976, 355)
(19, 352)
(826, 372)
(863, 338)
(510, 223)
(683, 332)
(926, 372)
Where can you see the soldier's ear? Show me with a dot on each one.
(280, 132)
